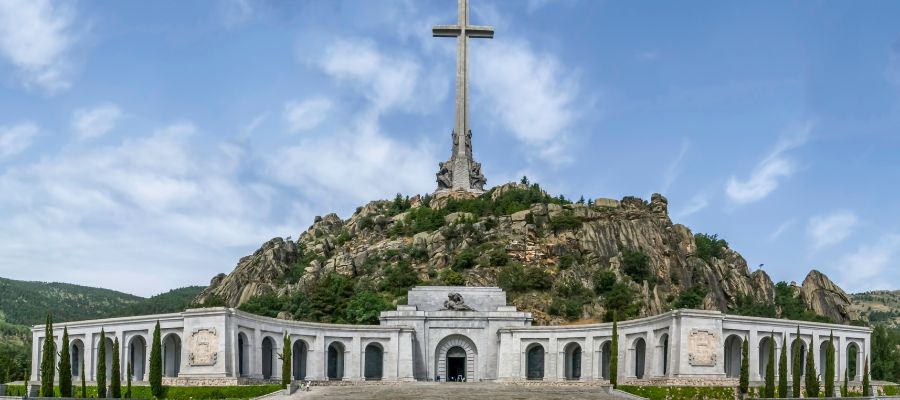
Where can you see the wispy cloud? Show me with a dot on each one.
(775, 166)
(305, 115)
(831, 229)
(781, 229)
(15, 139)
(871, 266)
(674, 169)
(695, 205)
(95, 122)
(532, 95)
(36, 37)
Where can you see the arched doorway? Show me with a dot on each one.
(335, 361)
(640, 354)
(853, 361)
(268, 357)
(605, 357)
(663, 354)
(374, 366)
(572, 361)
(243, 355)
(455, 359)
(137, 356)
(298, 358)
(823, 352)
(765, 346)
(77, 356)
(733, 345)
(108, 348)
(171, 355)
(534, 362)
(799, 347)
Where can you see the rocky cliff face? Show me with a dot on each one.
(564, 242)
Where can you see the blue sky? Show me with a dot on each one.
(146, 146)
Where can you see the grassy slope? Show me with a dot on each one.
(880, 306)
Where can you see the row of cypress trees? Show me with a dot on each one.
(49, 366)
(812, 382)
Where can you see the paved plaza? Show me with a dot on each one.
(454, 391)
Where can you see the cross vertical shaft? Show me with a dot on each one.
(461, 172)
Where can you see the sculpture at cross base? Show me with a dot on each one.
(461, 172)
(455, 302)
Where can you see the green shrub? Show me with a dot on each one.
(569, 298)
(365, 307)
(710, 246)
(621, 299)
(517, 278)
(604, 280)
(498, 257)
(891, 390)
(452, 278)
(464, 260)
(691, 298)
(680, 392)
(399, 278)
(636, 264)
(564, 221)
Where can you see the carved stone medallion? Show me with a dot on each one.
(703, 346)
(203, 345)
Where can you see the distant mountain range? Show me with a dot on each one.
(878, 307)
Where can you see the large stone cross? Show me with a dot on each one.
(462, 172)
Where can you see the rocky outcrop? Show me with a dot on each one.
(568, 242)
(823, 297)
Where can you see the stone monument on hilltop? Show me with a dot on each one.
(461, 172)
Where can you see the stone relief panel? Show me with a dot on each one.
(703, 346)
(203, 345)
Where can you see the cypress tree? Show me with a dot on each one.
(128, 380)
(770, 369)
(796, 366)
(101, 366)
(48, 360)
(782, 370)
(286, 361)
(867, 390)
(83, 383)
(65, 366)
(156, 364)
(745, 367)
(812, 378)
(845, 388)
(115, 381)
(614, 351)
(829, 367)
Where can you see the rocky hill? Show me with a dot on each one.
(878, 307)
(565, 262)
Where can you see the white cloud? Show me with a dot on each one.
(695, 205)
(35, 37)
(531, 94)
(830, 229)
(95, 122)
(674, 169)
(150, 213)
(781, 229)
(871, 266)
(15, 139)
(767, 174)
(305, 115)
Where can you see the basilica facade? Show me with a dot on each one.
(463, 334)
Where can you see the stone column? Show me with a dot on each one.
(753, 356)
(35, 356)
(90, 356)
(256, 355)
(315, 366)
(552, 373)
(587, 359)
(353, 354)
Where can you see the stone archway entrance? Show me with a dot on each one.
(455, 358)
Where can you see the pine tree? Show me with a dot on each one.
(65, 366)
(128, 380)
(745, 367)
(101, 366)
(115, 381)
(796, 365)
(829, 367)
(812, 377)
(845, 388)
(782, 370)
(867, 390)
(83, 383)
(770, 369)
(286, 361)
(48, 360)
(614, 351)
(156, 364)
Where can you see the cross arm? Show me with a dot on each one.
(477, 31)
(446, 30)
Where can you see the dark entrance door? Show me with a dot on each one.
(374, 362)
(536, 362)
(456, 365)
